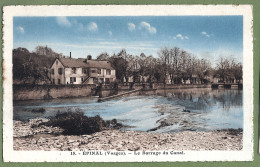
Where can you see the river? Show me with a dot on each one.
(201, 109)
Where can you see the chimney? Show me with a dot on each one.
(89, 57)
(70, 54)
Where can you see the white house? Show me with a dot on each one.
(81, 71)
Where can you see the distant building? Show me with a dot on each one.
(138, 79)
(81, 71)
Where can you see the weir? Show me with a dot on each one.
(100, 99)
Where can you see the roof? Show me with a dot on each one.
(99, 64)
(82, 63)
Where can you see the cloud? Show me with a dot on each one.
(92, 26)
(131, 26)
(206, 34)
(20, 30)
(180, 36)
(146, 26)
(110, 33)
(106, 46)
(63, 21)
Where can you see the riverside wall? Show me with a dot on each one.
(29, 92)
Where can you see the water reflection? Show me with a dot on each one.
(188, 109)
(203, 99)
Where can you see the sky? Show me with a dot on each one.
(206, 37)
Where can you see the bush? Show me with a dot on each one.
(76, 123)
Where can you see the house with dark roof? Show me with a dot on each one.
(81, 71)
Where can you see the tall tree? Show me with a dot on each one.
(238, 72)
(164, 55)
(103, 56)
(30, 67)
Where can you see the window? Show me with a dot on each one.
(58, 81)
(107, 80)
(72, 79)
(82, 79)
(52, 71)
(74, 70)
(93, 71)
(100, 80)
(108, 72)
(53, 81)
(99, 71)
(95, 80)
(60, 71)
(85, 70)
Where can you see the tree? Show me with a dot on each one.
(203, 70)
(142, 65)
(228, 69)
(46, 51)
(120, 62)
(135, 69)
(221, 69)
(158, 73)
(103, 56)
(26, 68)
(150, 69)
(184, 66)
(192, 64)
(164, 55)
(238, 71)
(173, 63)
(32, 68)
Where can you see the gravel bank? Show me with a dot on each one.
(28, 136)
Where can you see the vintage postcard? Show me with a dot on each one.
(128, 83)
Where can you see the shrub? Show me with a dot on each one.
(76, 123)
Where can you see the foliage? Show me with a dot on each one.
(76, 123)
(32, 67)
(228, 69)
(181, 65)
(103, 56)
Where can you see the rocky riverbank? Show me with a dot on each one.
(31, 136)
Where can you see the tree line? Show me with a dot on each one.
(172, 65)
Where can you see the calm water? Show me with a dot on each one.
(207, 109)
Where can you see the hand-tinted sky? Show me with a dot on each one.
(205, 36)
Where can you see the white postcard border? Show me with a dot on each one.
(246, 154)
